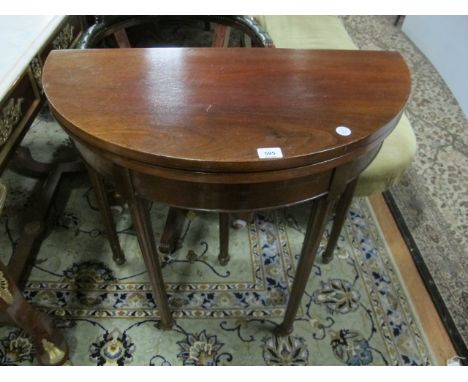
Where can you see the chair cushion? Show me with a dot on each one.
(328, 32)
(393, 159)
(306, 32)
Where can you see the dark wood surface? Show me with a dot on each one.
(182, 126)
(194, 108)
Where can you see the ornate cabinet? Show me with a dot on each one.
(21, 98)
(24, 95)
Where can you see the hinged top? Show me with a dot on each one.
(209, 109)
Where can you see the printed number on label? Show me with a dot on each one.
(269, 152)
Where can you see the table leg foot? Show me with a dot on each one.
(166, 325)
(52, 350)
(283, 330)
(120, 260)
(327, 255)
(223, 259)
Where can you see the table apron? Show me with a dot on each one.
(228, 196)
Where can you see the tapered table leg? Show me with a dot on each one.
(316, 225)
(51, 348)
(104, 207)
(223, 238)
(141, 219)
(341, 212)
(172, 230)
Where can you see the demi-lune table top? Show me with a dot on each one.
(210, 110)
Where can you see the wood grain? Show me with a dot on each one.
(209, 109)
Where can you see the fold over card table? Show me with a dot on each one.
(226, 130)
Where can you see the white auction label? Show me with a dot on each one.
(269, 152)
(343, 131)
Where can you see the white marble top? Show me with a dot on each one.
(21, 37)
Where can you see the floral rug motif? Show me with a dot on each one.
(354, 312)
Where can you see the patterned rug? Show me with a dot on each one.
(432, 196)
(355, 310)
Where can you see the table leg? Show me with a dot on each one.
(315, 227)
(142, 221)
(223, 238)
(51, 348)
(104, 207)
(172, 230)
(342, 209)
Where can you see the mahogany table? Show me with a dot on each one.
(226, 130)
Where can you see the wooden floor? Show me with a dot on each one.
(433, 327)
